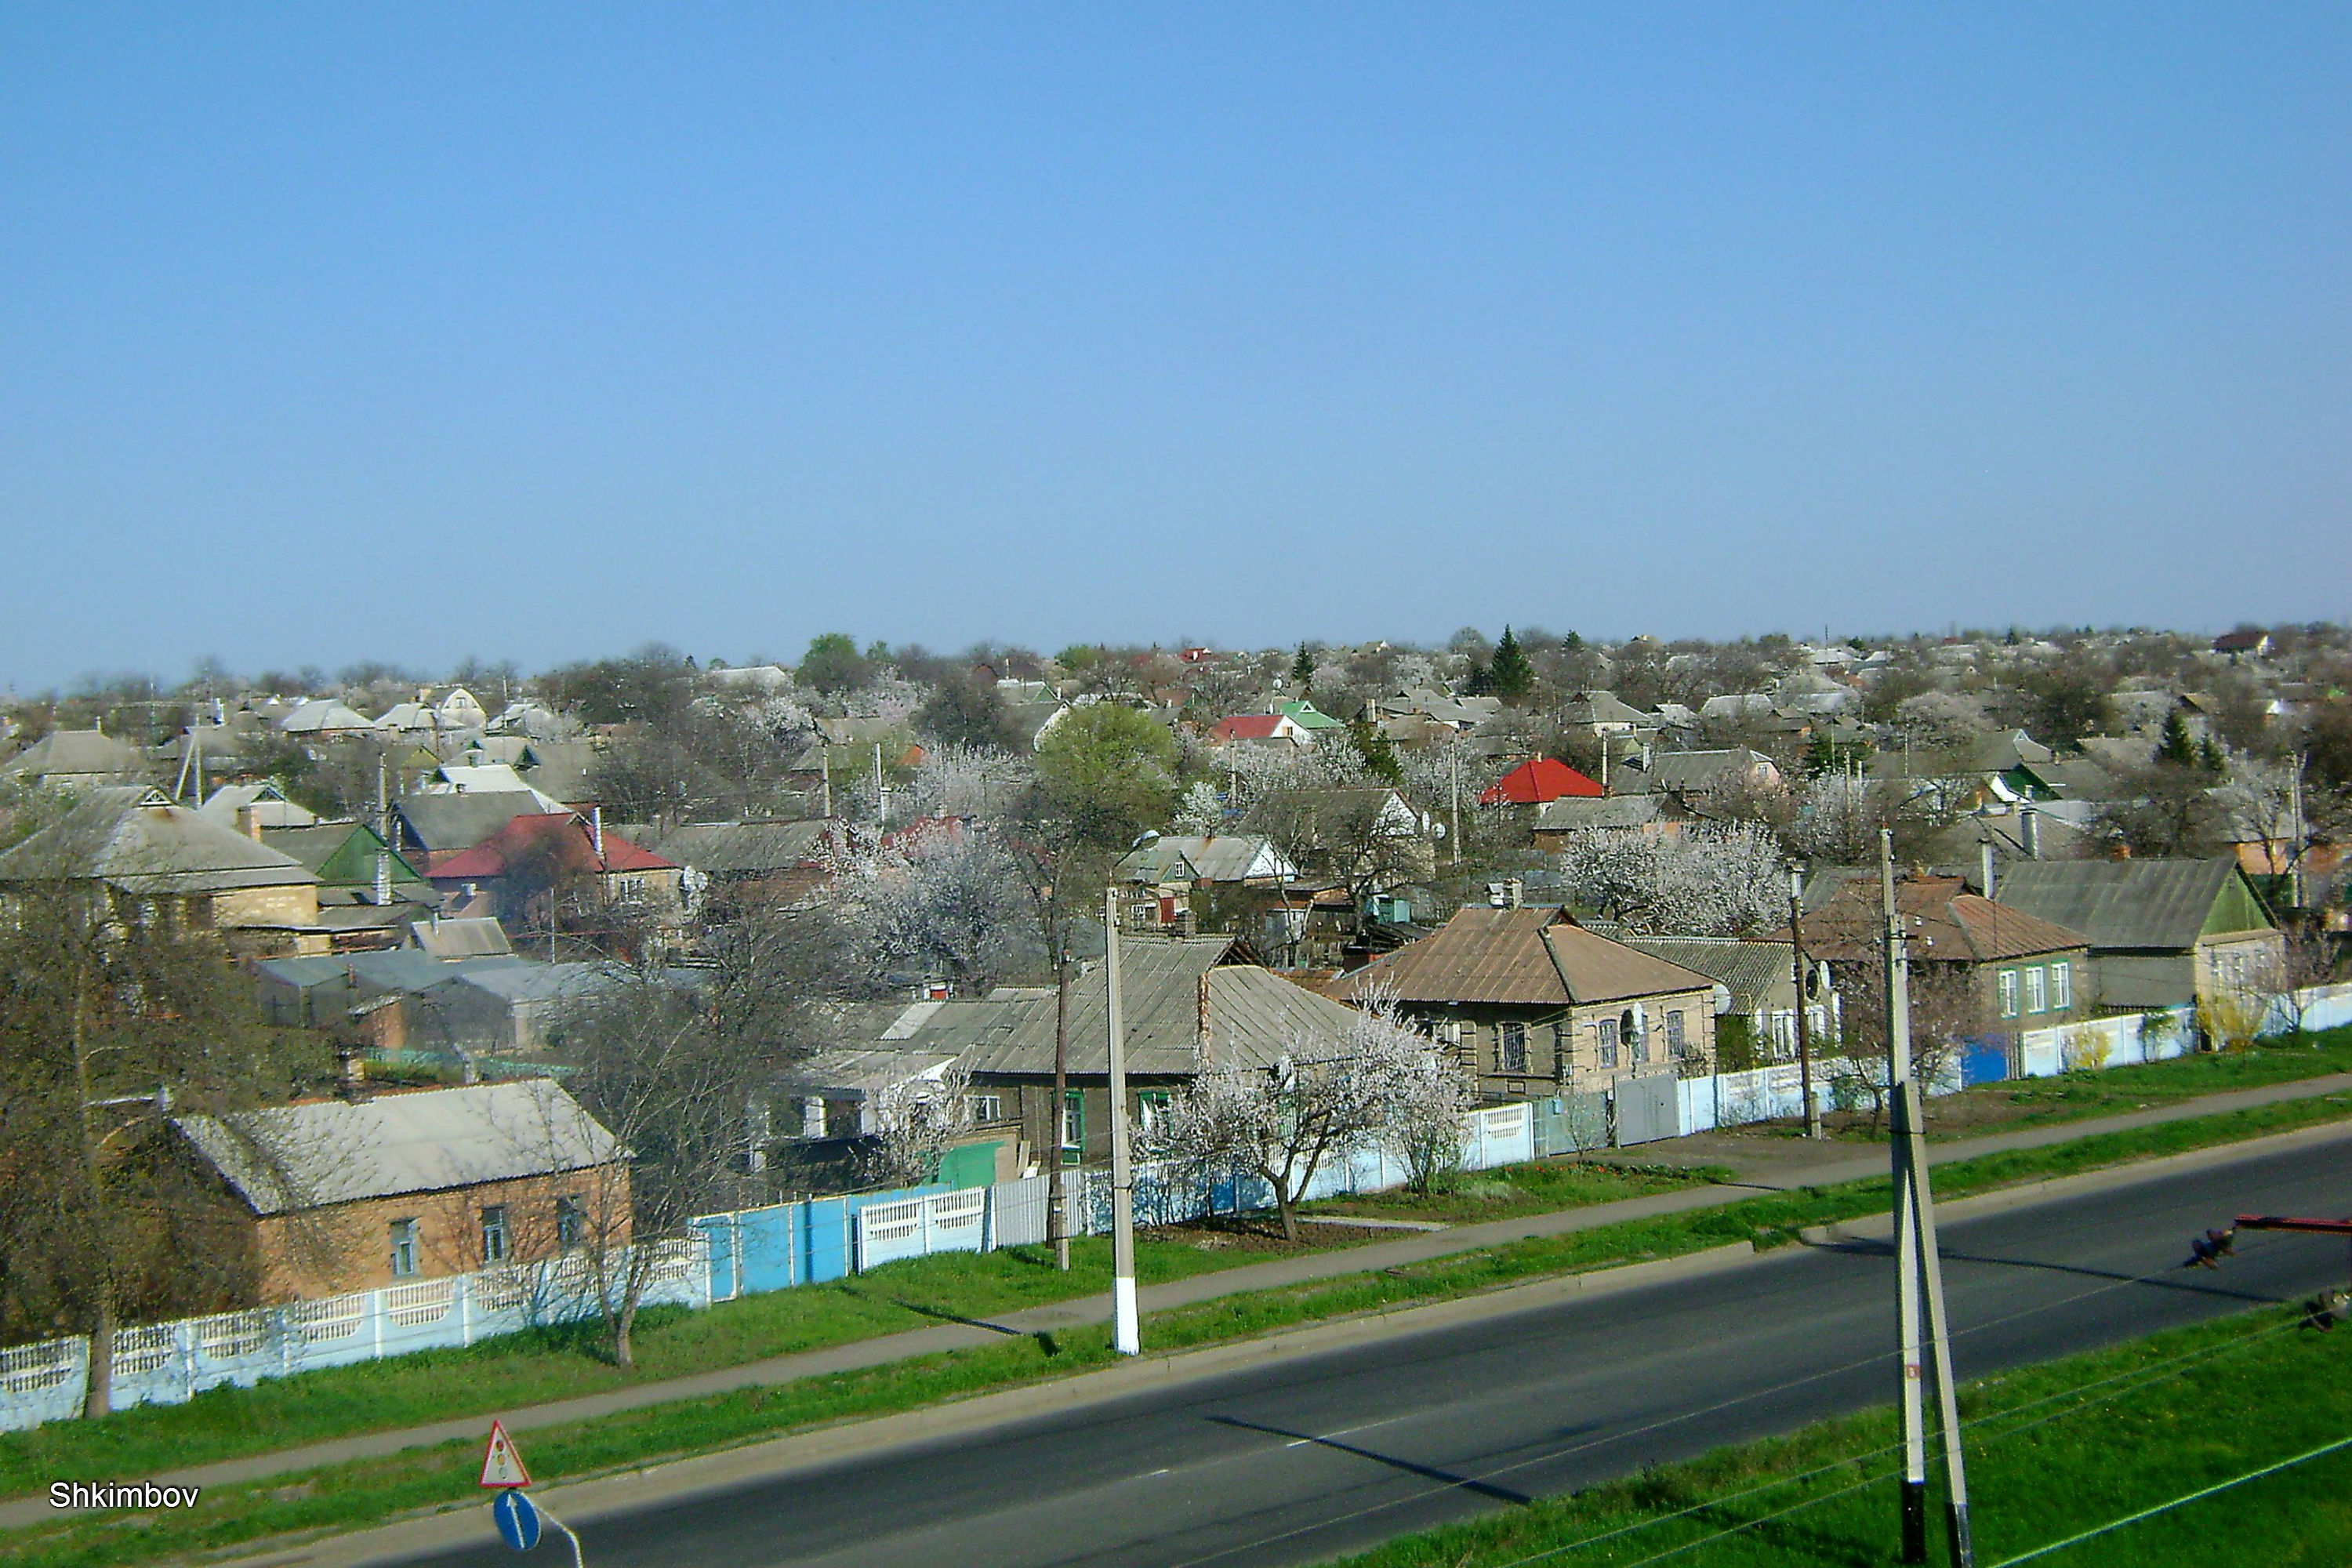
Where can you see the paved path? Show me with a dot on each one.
(1768, 1166)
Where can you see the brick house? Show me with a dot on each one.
(1528, 997)
(351, 1195)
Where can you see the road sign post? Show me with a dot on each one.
(501, 1465)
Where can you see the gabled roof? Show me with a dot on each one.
(572, 839)
(286, 1158)
(1943, 921)
(737, 849)
(1253, 727)
(1572, 813)
(1538, 780)
(78, 754)
(342, 853)
(469, 937)
(131, 839)
(1524, 957)
(1687, 772)
(1750, 971)
(447, 822)
(268, 801)
(1223, 858)
(1254, 1016)
(320, 717)
(2161, 905)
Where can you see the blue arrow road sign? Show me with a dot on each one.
(517, 1519)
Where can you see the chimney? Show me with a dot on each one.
(383, 877)
(1201, 1024)
(350, 1073)
(1514, 893)
(1984, 864)
(2029, 823)
(248, 822)
(596, 831)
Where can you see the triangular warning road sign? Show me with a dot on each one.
(501, 1466)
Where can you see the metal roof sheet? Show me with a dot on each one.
(1523, 957)
(2146, 904)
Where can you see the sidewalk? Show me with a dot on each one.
(1758, 1162)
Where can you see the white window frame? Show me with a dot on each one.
(2005, 983)
(986, 1109)
(497, 1234)
(2037, 989)
(2062, 987)
(405, 1264)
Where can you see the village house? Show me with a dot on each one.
(334, 1195)
(558, 868)
(1528, 997)
(2161, 933)
(78, 759)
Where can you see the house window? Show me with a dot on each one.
(1559, 1052)
(1151, 1108)
(1607, 1031)
(2062, 987)
(2007, 985)
(570, 1222)
(1676, 1045)
(1511, 1049)
(1074, 1127)
(404, 1249)
(495, 1244)
(2037, 990)
(986, 1108)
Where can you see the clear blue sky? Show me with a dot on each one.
(405, 332)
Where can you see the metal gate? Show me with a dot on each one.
(1646, 1110)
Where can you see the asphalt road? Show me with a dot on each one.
(1298, 1461)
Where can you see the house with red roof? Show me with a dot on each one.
(565, 868)
(1539, 780)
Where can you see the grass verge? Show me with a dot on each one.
(2053, 1451)
(352, 1496)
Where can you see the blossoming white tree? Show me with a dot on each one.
(948, 900)
(1710, 880)
(1376, 1080)
(915, 1121)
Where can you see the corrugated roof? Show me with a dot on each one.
(447, 822)
(1537, 781)
(1749, 970)
(292, 1157)
(1525, 957)
(445, 940)
(148, 849)
(738, 848)
(2160, 905)
(1943, 921)
(78, 754)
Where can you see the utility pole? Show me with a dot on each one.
(1057, 1191)
(1918, 1260)
(1805, 1030)
(1125, 1333)
(825, 772)
(1453, 794)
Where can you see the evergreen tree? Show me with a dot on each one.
(1302, 669)
(1373, 743)
(2176, 748)
(1509, 676)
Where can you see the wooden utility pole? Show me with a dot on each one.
(1804, 1030)
(1126, 1332)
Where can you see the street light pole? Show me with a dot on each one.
(1126, 1335)
(1804, 1030)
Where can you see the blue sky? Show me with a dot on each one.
(416, 333)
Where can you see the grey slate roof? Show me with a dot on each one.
(445, 822)
(1685, 771)
(144, 849)
(2140, 904)
(1254, 1016)
(1572, 812)
(1750, 971)
(735, 848)
(78, 754)
(1226, 857)
(287, 1158)
(448, 940)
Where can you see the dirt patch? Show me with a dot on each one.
(1263, 1234)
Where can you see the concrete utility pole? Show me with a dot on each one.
(1917, 1259)
(1126, 1332)
(1453, 794)
(1058, 1186)
(1804, 1028)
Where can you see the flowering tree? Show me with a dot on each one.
(1326, 1098)
(948, 899)
(1201, 811)
(915, 1121)
(1713, 880)
(979, 782)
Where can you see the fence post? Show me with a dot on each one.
(465, 1310)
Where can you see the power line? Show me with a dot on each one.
(2177, 1503)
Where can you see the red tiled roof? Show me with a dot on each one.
(574, 839)
(1538, 781)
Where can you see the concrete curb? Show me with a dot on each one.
(680, 1479)
(1879, 1227)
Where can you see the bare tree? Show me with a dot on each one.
(675, 1090)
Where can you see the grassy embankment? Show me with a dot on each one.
(2053, 1452)
(349, 1496)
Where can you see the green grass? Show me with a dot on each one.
(1544, 1188)
(353, 1495)
(2112, 1091)
(2053, 1451)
